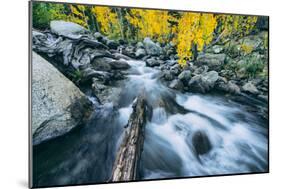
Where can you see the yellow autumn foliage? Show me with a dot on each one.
(107, 19)
(78, 15)
(193, 29)
(190, 32)
(150, 23)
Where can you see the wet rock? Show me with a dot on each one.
(102, 64)
(201, 142)
(129, 51)
(263, 97)
(185, 76)
(98, 36)
(176, 84)
(168, 76)
(120, 65)
(228, 87)
(250, 88)
(151, 47)
(153, 62)
(98, 88)
(112, 44)
(204, 82)
(175, 69)
(140, 53)
(89, 73)
(121, 56)
(107, 64)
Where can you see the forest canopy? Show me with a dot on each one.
(189, 31)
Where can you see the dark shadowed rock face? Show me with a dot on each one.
(57, 104)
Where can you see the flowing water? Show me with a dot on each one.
(187, 135)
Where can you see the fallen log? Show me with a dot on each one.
(128, 156)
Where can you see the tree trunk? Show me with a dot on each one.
(128, 156)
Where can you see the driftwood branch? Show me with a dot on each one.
(129, 153)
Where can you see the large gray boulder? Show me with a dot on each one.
(185, 76)
(57, 104)
(140, 53)
(68, 29)
(203, 82)
(151, 47)
(176, 84)
(214, 61)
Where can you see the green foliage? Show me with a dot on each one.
(43, 13)
(253, 68)
(77, 76)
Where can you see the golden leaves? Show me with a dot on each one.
(194, 29)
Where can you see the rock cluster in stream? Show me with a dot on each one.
(94, 59)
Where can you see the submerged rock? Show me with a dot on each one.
(57, 104)
(201, 143)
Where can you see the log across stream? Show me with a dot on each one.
(166, 134)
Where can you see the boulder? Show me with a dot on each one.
(217, 49)
(109, 64)
(201, 143)
(209, 79)
(176, 84)
(112, 44)
(119, 65)
(168, 76)
(203, 82)
(68, 29)
(89, 73)
(214, 61)
(129, 51)
(98, 36)
(140, 53)
(185, 76)
(228, 87)
(175, 69)
(153, 62)
(140, 45)
(57, 104)
(151, 47)
(250, 88)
